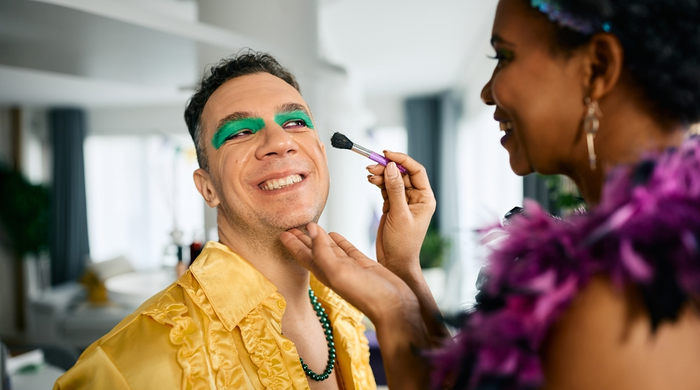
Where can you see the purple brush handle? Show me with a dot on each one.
(383, 160)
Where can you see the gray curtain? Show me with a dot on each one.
(535, 187)
(424, 130)
(431, 124)
(69, 232)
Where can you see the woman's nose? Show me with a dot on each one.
(487, 95)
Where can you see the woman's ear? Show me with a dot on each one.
(604, 62)
(206, 187)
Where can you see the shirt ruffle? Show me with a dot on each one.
(223, 354)
(219, 327)
(191, 355)
(260, 339)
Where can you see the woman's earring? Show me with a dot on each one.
(591, 123)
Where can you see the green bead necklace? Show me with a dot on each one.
(323, 317)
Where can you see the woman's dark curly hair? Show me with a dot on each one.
(244, 63)
(661, 41)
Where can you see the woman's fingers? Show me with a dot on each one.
(351, 250)
(376, 180)
(416, 178)
(419, 177)
(323, 247)
(376, 169)
(303, 237)
(395, 189)
(297, 248)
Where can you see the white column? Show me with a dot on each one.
(350, 204)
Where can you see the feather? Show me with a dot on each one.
(643, 233)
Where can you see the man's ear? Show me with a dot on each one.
(604, 60)
(206, 187)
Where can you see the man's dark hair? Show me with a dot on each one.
(241, 64)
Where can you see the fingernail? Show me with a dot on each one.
(311, 228)
(392, 170)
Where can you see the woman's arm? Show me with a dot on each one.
(409, 204)
(388, 302)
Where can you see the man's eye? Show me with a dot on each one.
(294, 123)
(240, 134)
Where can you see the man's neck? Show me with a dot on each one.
(267, 254)
(299, 322)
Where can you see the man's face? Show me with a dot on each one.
(266, 163)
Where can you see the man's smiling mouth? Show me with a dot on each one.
(276, 184)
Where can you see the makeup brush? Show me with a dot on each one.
(342, 142)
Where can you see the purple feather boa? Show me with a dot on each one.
(645, 232)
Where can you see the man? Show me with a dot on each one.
(243, 315)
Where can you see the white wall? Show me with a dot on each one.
(487, 189)
(388, 110)
(131, 157)
(138, 120)
(139, 188)
(349, 207)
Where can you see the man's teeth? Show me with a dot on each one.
(276, 184)
(506, 126)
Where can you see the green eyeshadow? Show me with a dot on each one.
(234, 127)
(283, 117)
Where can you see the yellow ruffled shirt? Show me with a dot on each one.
(217, 327)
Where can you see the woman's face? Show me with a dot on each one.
(538, 94)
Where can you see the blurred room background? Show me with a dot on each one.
(92, 94)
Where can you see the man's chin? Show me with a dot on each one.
(302, 226)
(296, 223)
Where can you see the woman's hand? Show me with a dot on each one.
(409, 204)
(388, 302)
(364, 283)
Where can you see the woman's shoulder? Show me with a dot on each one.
(605, 340)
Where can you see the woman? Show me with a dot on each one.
(602, 91)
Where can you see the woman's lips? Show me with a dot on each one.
(506, 126)
(505, 138)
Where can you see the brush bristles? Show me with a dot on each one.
(340, 141)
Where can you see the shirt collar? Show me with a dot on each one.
(231, 284)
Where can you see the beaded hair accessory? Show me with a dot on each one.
(564, 18)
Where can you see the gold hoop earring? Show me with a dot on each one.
(591, 123)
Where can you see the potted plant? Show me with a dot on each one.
(432, 257)
(24, 223)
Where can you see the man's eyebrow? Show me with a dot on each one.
(289, 107)
(236, 116)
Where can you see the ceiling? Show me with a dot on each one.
(400, 47)
(121, 52)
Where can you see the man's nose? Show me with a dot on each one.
(276, 142)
